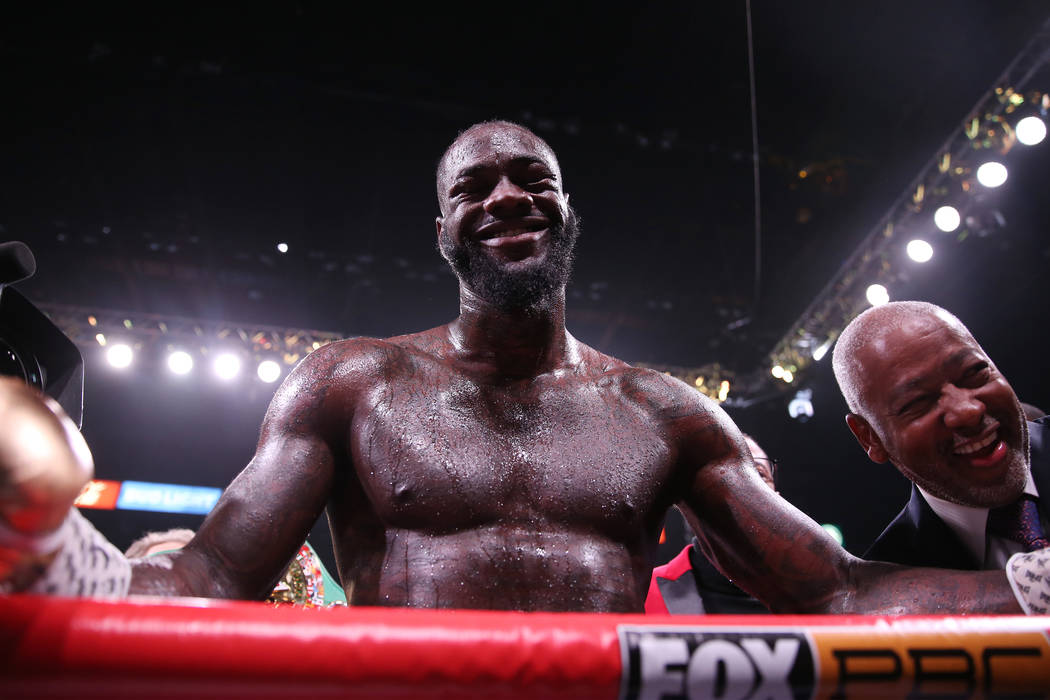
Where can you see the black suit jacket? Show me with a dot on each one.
(918, 536)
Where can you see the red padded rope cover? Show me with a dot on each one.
(194, 648)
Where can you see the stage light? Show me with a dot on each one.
(801, 406)
(877, 295)
(821, 350)
(119, 355)
(778, 371)
(180, 362)
(919, 250)
(788, 376)
(227, 366)
(1030, 131)
(269, 371)
(282, 247)
(100, 339)
(947, 218)
(835, 531)
(991, 174)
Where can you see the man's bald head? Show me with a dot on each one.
(497, 132)
(866, 330)
(924, 396)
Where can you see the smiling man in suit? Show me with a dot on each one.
(924, 396)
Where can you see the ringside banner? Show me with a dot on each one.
(920, 657)
(190, 648)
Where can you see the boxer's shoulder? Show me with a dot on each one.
(355, 359)
(663, 394)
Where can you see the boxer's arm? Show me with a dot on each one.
(782, 557)
(264, 516)
(44, 463)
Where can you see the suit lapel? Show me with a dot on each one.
(935, 542)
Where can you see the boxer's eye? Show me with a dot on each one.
(465, 188)
(538, 178)
(540, 185)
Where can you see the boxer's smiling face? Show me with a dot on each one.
(506, 225)
(942, 413)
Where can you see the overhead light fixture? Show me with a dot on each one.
(119, 355)
(919, 250)
(180, 362)
(282, 247)
(991, 174)
(269, 371)
(227, 366)
(1030, 130)
(821, 350)
(877, 295)
(947, 218)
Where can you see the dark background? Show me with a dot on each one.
(154, 157)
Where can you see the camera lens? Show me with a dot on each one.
(12, 365)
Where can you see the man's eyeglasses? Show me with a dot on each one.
(772, 464)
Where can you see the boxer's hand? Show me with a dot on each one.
(44, 464)
(1029, 575)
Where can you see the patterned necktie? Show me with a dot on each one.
(1019, 521)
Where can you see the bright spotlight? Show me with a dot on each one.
(269, 371)
(991, 174)
(282, 247)
(119, 355)
(777, 371)
(227, 365)
(919, 250)
(1030, 131)
(877, 295)
(180, 362)
(821, 350)
(947, 218)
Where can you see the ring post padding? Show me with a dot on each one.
(63, 647)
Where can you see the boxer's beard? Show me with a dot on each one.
(519, 289)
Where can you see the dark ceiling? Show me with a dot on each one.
(155, 157)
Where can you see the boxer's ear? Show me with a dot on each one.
(438, 222)
(867, 438)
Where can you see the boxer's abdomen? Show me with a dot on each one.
(508, 568)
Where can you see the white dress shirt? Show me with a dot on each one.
(969, 524)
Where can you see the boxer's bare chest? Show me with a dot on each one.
(437, 450)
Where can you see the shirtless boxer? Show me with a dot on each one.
(497, 462)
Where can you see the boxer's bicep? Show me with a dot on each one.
(761, 542)
(265, 514)
(766, 545)
(778, 554)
